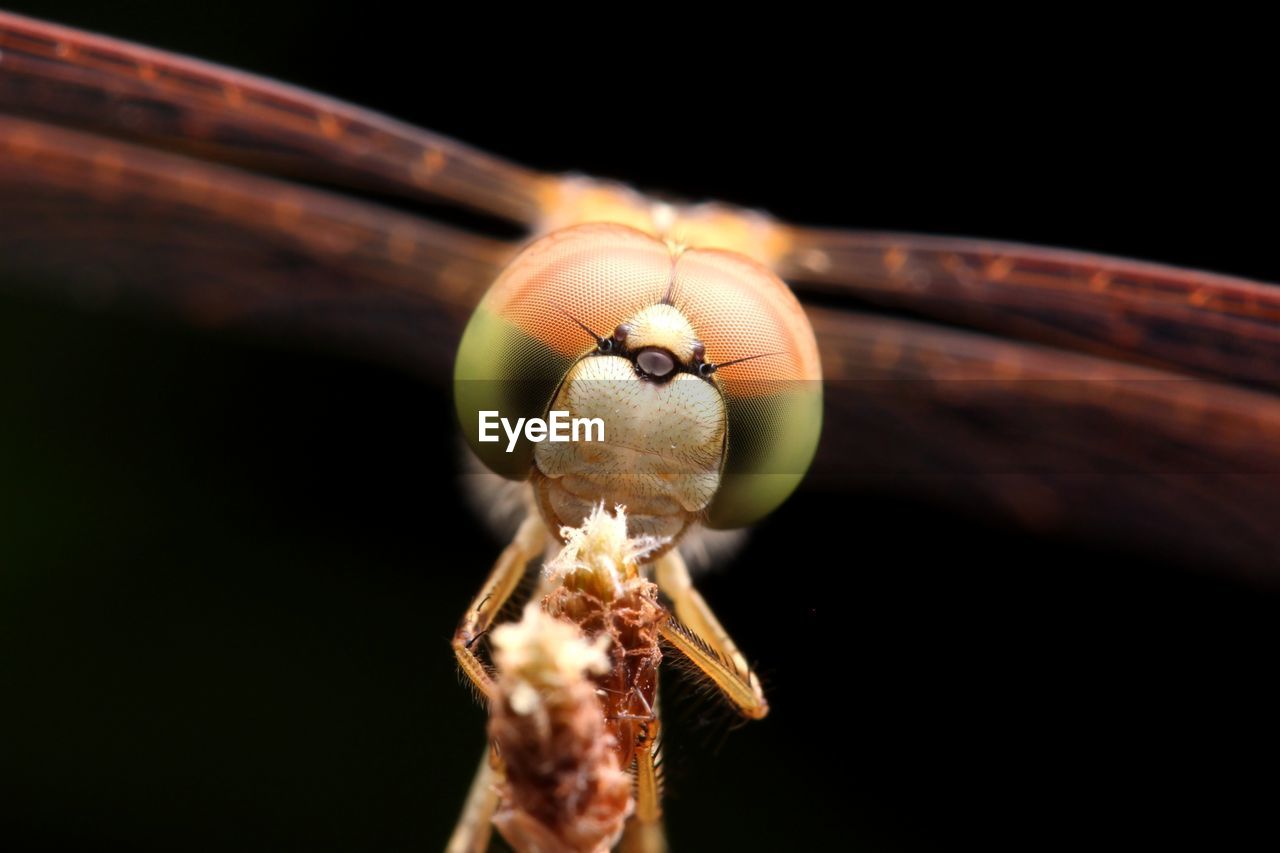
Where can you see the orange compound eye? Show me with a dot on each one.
(559, 300)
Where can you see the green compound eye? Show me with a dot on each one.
(716, 316)
(772, 439)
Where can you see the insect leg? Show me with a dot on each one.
(703, 640)
(644, 832)
(503, 580)
(475, 824)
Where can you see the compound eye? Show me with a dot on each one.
(655, 362)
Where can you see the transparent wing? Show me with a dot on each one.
(1184, 320)
(111, 222)
(1049, 439)
(1185, 468)
(124, 90)
(1071, 408)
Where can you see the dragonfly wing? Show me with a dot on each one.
(1184, 320)
(112, 222)
(1181, 467)
(120, 89)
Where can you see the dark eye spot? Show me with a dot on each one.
(620, 333)
(605, 345)
(655, 362)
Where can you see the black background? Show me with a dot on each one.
(229, 569)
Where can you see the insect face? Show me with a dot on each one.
(700, 363)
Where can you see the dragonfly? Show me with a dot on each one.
(1000, 342)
